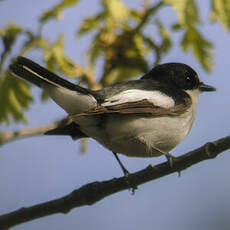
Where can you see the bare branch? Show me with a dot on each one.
(14, 135)
(96, 191)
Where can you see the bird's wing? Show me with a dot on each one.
(141, 107)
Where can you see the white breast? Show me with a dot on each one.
(137, 136)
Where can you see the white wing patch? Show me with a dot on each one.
(155, 97)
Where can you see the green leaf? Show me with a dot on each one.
(44, 96)
(201, 48)
(221, 12)
(116, 10)
(127, 51)
(56, 11)
(100, 45)
(188, 18)
(32, 42)
(124, 73)
(136, 15)
(57, 60)
(8, 37)
(11, 30)
(90, 23)
(120, 74)
(187, 11)
(15, 96)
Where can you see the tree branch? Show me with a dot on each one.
(149, 12)
(96, 191)
(14, 135)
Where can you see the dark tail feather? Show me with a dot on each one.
(38, 75)
(71, 129)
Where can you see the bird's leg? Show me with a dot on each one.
(125, 171)
(169, 156)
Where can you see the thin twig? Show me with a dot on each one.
(96, 191)
(14, 135)
(149, 12)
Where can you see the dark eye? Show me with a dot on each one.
(190, 82)
(188, 79)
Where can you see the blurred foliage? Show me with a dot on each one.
(201, 48)
(8, 37)
(188, 19)
(56, 11)
(119, 40)
(14, 97)
(220, 12)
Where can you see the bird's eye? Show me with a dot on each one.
(188, 79)
(190, 82)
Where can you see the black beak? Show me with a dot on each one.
(206, 88)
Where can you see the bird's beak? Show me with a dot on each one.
(206, 88)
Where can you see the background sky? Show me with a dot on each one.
(40, 169)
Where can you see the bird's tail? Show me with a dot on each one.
(38, 75)
(69, 96)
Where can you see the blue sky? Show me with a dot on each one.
(43, 168)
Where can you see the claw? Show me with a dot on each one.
(170, 159)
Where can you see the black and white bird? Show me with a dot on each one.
(139, 118)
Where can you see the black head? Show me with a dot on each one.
(178, 75)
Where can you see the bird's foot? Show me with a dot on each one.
(170, 159)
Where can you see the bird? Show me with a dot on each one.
(147, 117)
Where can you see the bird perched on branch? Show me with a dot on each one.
(139, 118)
